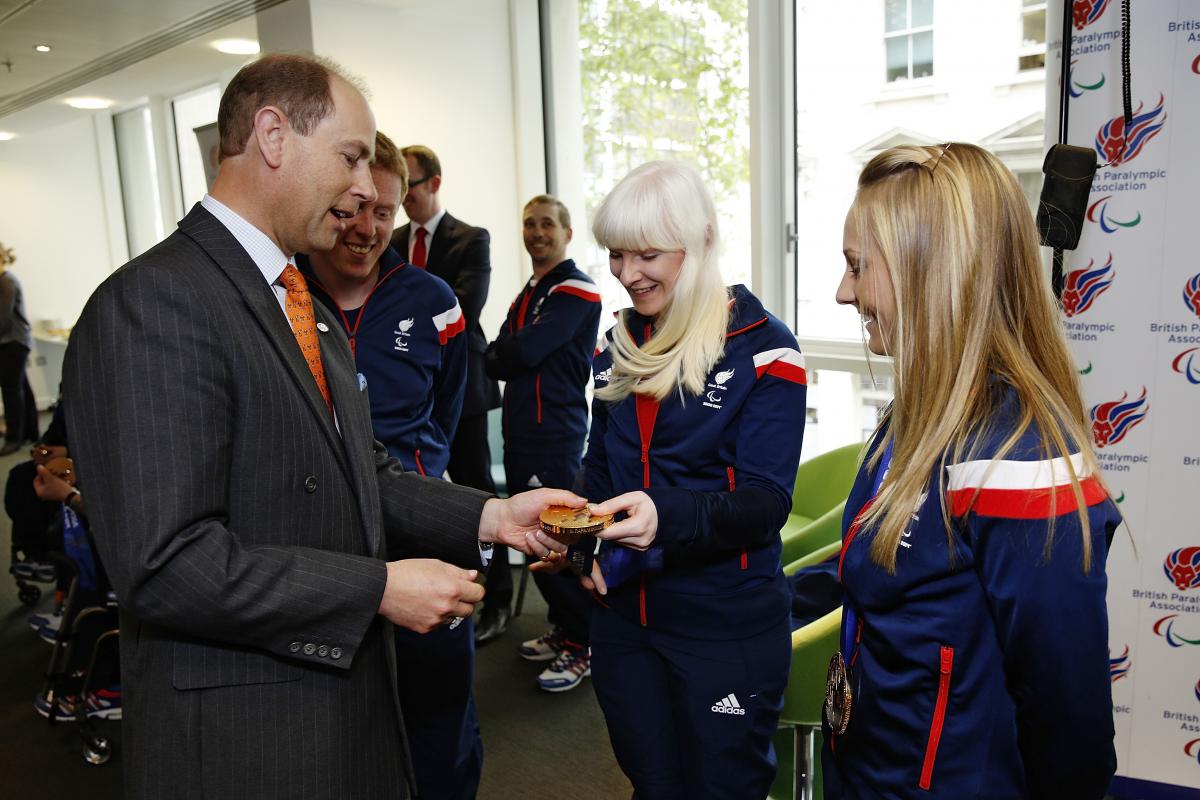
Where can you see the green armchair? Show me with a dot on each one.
(812, 647)
(822, 484)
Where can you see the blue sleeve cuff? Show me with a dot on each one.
(676, 509)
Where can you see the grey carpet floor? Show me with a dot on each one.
(536, 745)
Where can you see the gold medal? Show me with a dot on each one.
(838, 698)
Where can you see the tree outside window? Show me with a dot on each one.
(670, 79)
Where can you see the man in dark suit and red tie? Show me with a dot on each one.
(260, 542)
(459, 254)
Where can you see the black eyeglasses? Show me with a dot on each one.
(411, 184)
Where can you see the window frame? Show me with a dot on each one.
(1039, 48)
(910, 33)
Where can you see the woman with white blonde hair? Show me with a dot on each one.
(696, 431)
(974, 657)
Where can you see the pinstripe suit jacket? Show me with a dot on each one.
(243, 534)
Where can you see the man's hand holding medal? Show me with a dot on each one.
(576, 528)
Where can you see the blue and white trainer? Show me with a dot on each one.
(545, 647)
(569, 669)
(104, 703)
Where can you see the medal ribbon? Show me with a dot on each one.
(849, 615)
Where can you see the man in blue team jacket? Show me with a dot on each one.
(544, 352)
(406, 332)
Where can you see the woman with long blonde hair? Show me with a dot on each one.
(696, 432)
(974, 656)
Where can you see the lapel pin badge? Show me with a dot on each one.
(322, 327)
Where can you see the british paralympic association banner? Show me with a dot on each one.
(1131, 310)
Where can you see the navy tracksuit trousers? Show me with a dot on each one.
(435, 671)
(570, 605)
(690, 718)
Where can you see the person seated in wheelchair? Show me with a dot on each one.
(31, 516)
(79, 624)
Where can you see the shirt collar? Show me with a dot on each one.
(266, 255)
(431, 224)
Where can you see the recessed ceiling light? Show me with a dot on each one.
(237, 47)
(42, 48)
(6, 136)
(88, 103)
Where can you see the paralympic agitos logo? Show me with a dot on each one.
(1111, 421)
(1081, 287)
(1098, 213)
(1187, 364)
(1077, 88)
(1192, 748)
(1165, 627)
(1117, 146)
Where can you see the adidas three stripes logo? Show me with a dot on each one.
(729, 705)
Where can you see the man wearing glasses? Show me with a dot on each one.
(459, 254)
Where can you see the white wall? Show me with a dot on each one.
(440, 74)
(54, 216)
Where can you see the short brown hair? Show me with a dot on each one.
(564, 216)
(298, 85)
(425, 158)
(389, 159)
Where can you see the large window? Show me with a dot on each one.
(668, 80)
(1032, 54)
(908, 38)
(841, 124)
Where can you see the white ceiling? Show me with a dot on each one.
(124, 50)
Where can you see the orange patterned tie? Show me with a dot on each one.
(299, 308)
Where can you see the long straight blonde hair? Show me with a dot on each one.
(664, 206)
(973, 305)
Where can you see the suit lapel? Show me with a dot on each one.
(443, 237)
(208, 232)
(354, 419)
(400, 240)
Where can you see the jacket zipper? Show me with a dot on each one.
(732, 486)
(647, 413)
(850, 534)
(352, 329)
(939, 715)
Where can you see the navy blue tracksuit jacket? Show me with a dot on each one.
(544, 353)
(720, 468)
(410, 346)
(981, 672)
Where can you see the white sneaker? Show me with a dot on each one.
(45, 622)
(545, 647)
(568, 670)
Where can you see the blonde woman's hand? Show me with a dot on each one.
(640, 525)
(596, 582)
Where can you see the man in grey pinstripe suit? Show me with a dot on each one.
(260, 543)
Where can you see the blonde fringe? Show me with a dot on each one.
(663, 206)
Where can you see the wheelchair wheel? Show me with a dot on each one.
(97, 750)
(29, 594)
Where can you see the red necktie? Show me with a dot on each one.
(299, 309)
(418, 259)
